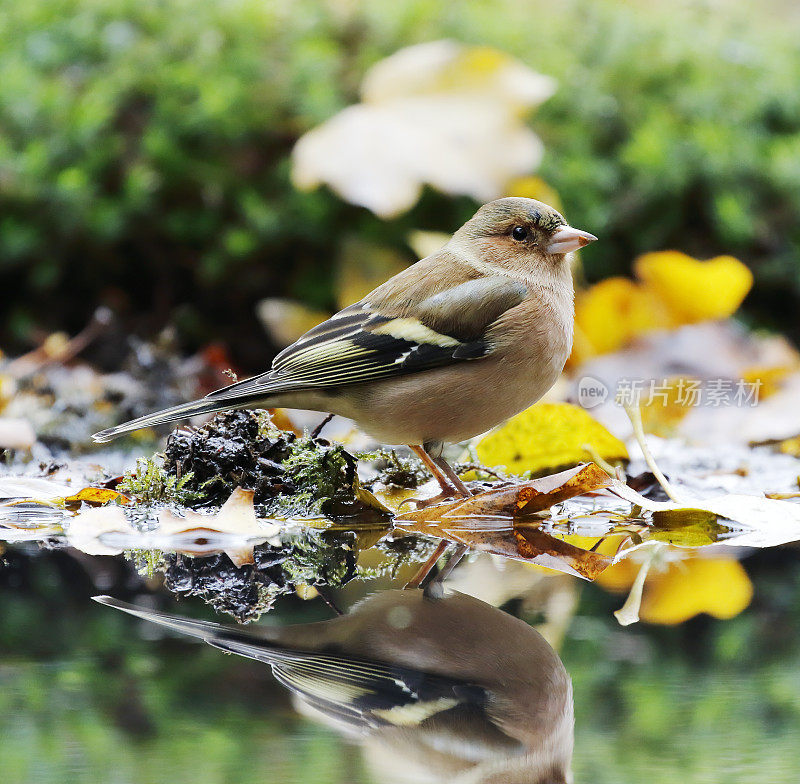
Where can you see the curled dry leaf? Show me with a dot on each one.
(504, 521)
(234, 530)
(236, 522)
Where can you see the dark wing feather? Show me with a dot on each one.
(358, 344)
(362, 693)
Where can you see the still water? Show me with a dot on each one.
(88, 694)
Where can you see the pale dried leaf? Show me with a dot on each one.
(86, 530)
(438, 113)
(235, 529)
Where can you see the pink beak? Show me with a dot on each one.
(567, 239)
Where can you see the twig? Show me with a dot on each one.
(319, 428)
(596, 458)
(38, 358)
(327, 599)
(629, 612)
(464, 467)
(635, 415)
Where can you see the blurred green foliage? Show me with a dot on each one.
(144, 152)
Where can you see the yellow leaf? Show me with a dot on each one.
(669, 404)
(693, 290)
(450, 68)
(97, 496)
(610, 314)
(439, 113)
(768, 380)
(717, 586)
(548, 436)
(789, 446)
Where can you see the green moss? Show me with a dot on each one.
(318, 558)
(396, 471)
(323, 476)
(149, 483)
(146, 562)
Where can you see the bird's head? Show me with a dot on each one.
(519, 232)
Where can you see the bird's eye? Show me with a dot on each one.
(519, 233)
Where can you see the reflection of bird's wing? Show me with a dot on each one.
(361, 693)
(359, 344)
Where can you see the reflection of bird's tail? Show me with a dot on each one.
(258, 642)
(254, 642)
(183, 411)
(204, 630)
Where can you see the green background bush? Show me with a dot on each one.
(144, 147)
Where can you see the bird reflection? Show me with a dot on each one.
(436, 689)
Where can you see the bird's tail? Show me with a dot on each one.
(183, 411)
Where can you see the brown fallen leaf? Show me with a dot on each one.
(504, 521)
(536, 545)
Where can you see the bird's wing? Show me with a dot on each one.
(364, 694)
(366, 343)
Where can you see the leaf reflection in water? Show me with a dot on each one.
(442, 689)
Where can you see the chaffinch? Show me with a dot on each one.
(445, 350)
(446, 689)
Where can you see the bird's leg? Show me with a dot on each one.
(433, 587)
(425, 569)
(450, 473)
(327, 599)
(458, 553)
(451, 485)
(449, 488)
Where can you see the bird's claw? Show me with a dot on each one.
(422, 503)
(440, 498)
